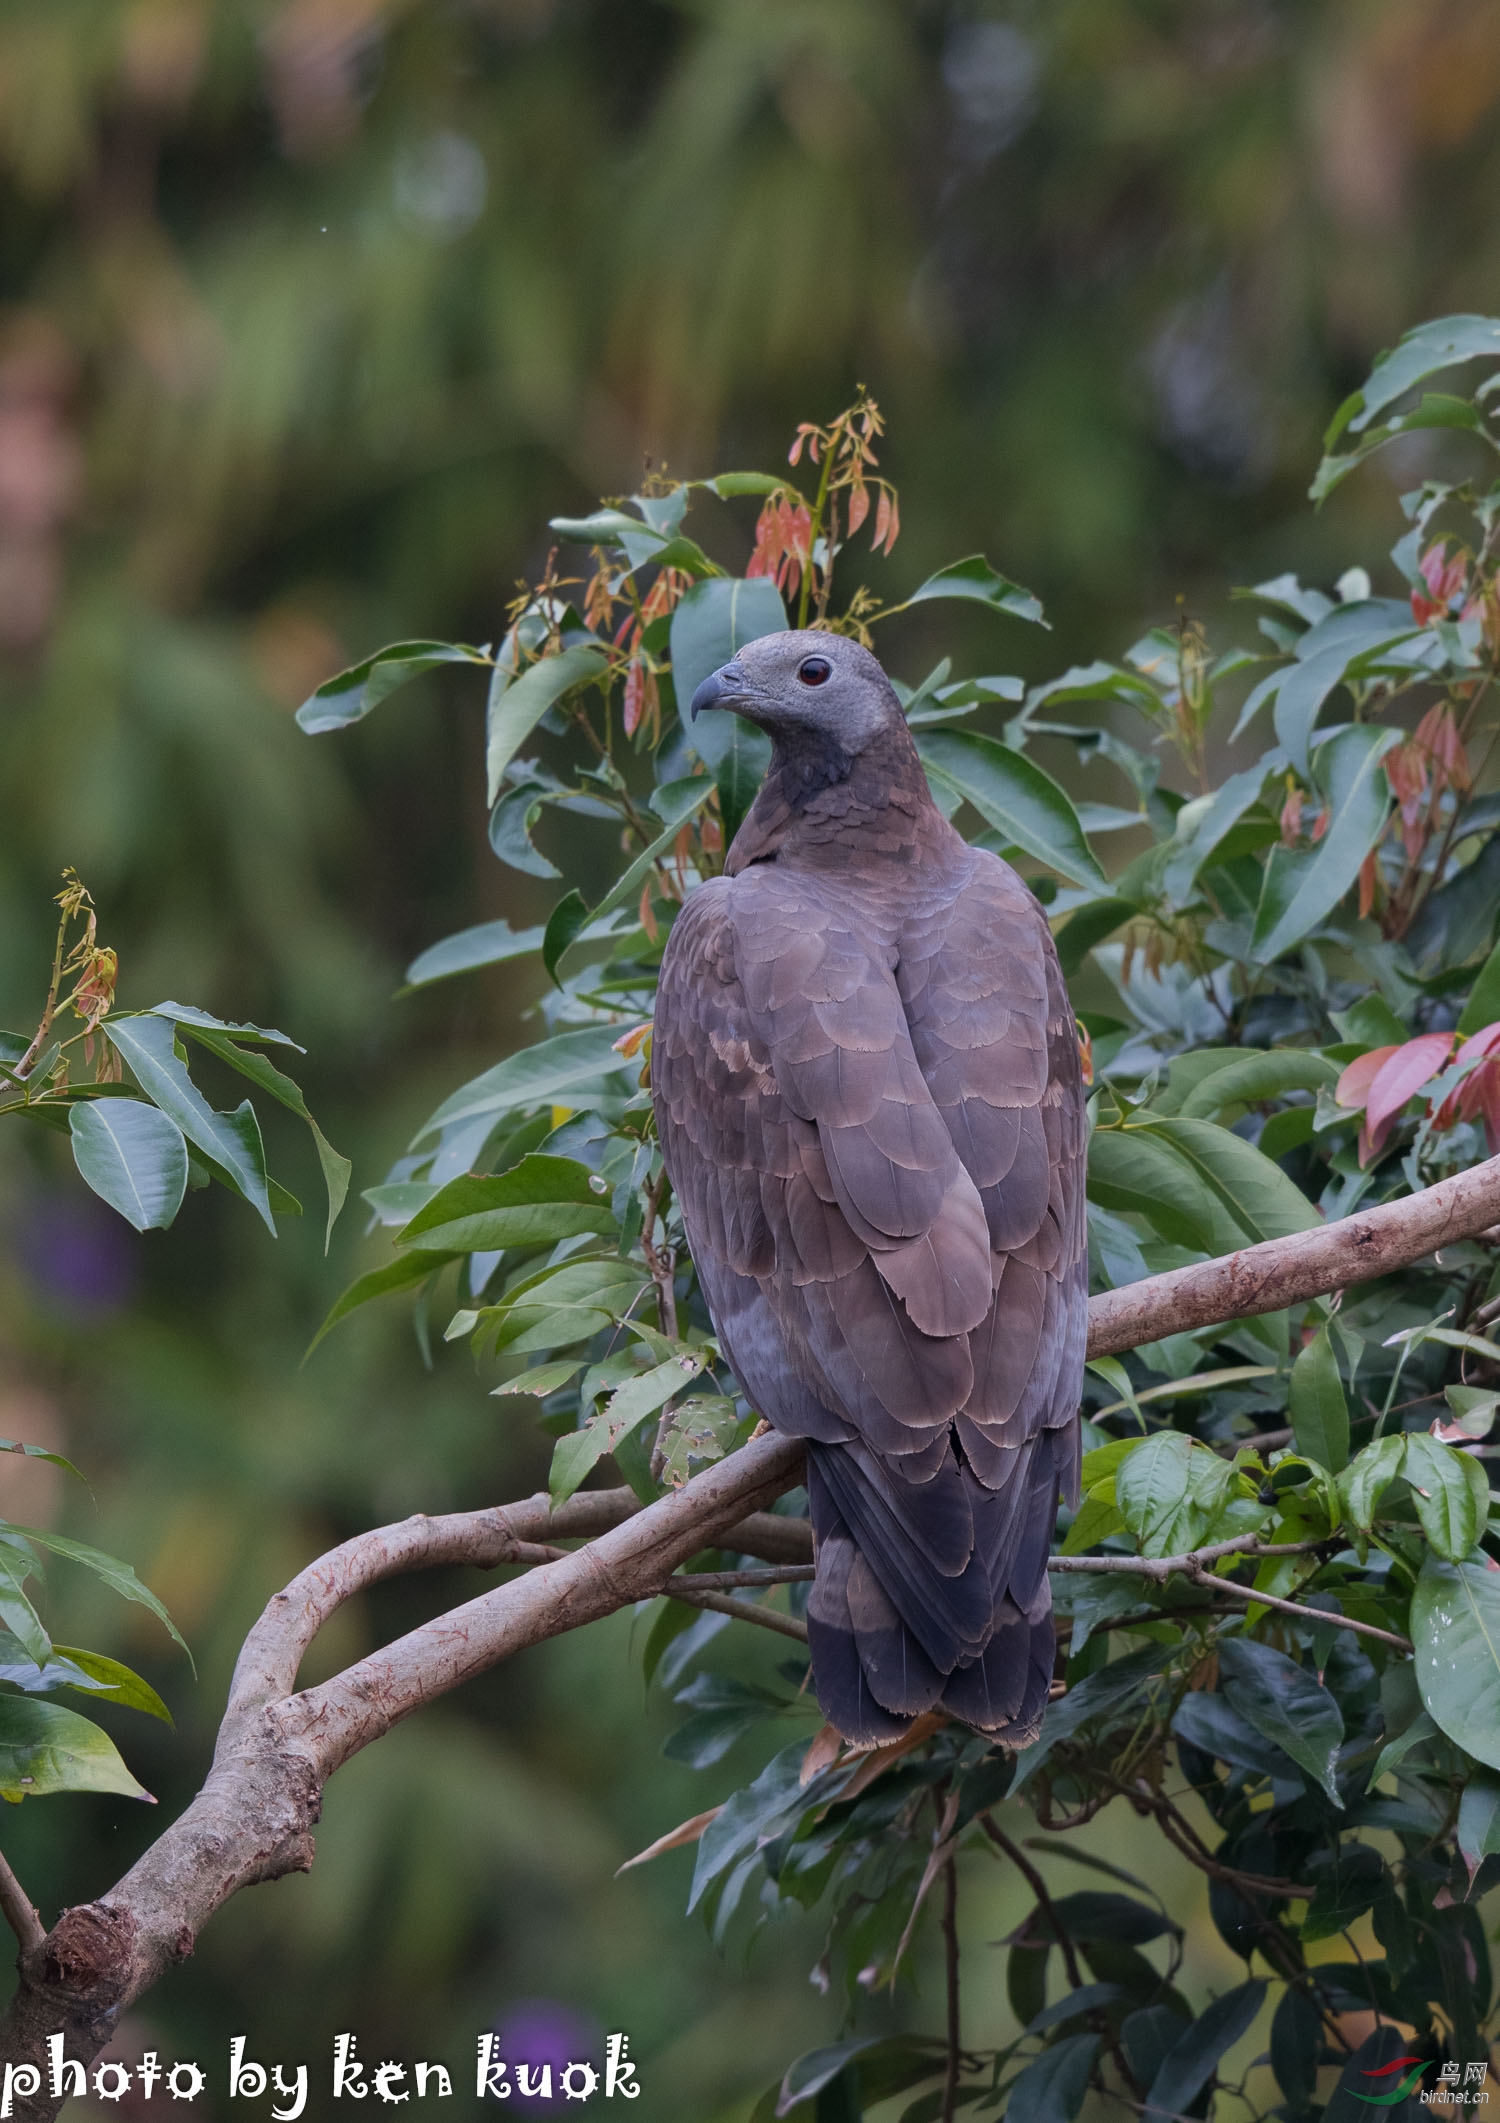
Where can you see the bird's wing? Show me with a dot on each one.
(995, 1037)
(814, 1168)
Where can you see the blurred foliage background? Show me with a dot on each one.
(311, 313)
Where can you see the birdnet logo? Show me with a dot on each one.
(1456, 2086)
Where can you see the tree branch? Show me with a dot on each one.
(254, 1817)
(18, 1909)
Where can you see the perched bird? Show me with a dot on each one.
(869, 1096)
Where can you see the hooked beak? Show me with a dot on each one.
(724, 688)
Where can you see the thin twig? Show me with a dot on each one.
(18, 1909)
(686, 1590)
(1252, 1598)
(1159, 1568)
(724, 1580)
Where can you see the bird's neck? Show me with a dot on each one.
(819, 806)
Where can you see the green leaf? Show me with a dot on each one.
(1258, 1076)
(17, 1564)
(1345, 1889)
(1483, 1005)
(1317, 1407)
(1455, 1625)
(675, 803)
(1368, 1476)
(1440, 343)
(1299, 894)
(111, 1682)
(335, 1167)
(1285, 1704)
(46, 1749)
(729, 484)
(399, 1274)
(1189, 2064)
(1299, 701)
(133, 1156)
(709, 624)
(977, 581)
(1450, 1492)
(148, 1044)
(565, 1304)
(537, 1201)
(1200, 827)
(1012, 794)
(1052, 2087)
(488, 943)
(1158, 1496)
(1254, 1191)
(203, 1020)
(516, 708)
(1479, 1820)
(565, 924)
(349, 697)
(119, 1576)
(1137, 1169)
(533, 1077)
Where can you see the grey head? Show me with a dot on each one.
(808, 690)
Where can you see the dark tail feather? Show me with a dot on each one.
(931, 1592)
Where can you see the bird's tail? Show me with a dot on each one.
(933, 1593)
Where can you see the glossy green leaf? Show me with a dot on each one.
(1300, 890)
(109, 1681)
(1257, 1076)
(1012, 794)
(230, 1140)
(1088, 925)
(1455, 1626)
(1450, 1492)
(133, 1156)
(537, 1201)
(516, 709)
(709, 624)
(350, 696)
(1200, 827)
(1316, 1405)
(46, 1749)
(1255, 1192)
(1284, 1703)
(335, 1167)
(488, 943)
(1154, 1495)
(975, 580)
(1367, 1477)
(1138, 1169)
(536, 1076)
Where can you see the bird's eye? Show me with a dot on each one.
(815, 670)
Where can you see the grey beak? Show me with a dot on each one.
(718, 690)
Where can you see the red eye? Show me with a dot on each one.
(815, 670)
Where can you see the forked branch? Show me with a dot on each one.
(277, 1747)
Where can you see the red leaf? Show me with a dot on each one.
(1369, 874)
(1291, 818)
(1399, 1079)
(1353, 1087)
(859, 505)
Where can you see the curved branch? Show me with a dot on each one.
(254, 1817)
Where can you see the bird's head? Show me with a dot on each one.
(806, 686)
